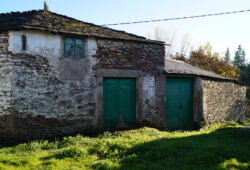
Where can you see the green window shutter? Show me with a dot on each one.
(68, 48)
(79, 48)
(74, 48)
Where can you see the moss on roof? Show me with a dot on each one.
(42, 20)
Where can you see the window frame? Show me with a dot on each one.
(74, 47)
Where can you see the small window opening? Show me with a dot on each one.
(24, 42)
(73, 48)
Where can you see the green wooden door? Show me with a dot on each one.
(119, 98)
(179, 103)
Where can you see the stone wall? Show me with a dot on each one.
(142, 61)
(6, 87)
(153, 100)
(223, 101)
(46, 105)
(130, 56)
(43, 94)
(43, 102)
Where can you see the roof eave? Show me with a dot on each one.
(205, 76)
(84, 35)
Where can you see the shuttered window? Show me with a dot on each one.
(73, 48)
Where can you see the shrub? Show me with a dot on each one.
(73, 152)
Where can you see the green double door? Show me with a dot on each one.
(179, 103)
(119, 98)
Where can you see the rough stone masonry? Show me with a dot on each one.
(44, 94)
(6, 88)
(223, 101)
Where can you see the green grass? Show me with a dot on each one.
(220, 146)
(248, 107)
(247, 120)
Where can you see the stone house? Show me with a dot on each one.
(60, 76)
(214, 98)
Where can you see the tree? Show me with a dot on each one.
(205, 59)
(243, 72)
(239, 58)
(161, 35)
(245, 77)
(180, 57)
(170, 39)
(185, 44)
(227, 56)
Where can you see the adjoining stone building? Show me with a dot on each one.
(60, 76)
(215, 98)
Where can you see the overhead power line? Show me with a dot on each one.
(178, 18)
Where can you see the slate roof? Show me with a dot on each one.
(42, 20)
(179, 67)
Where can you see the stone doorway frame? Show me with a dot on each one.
(115, 73)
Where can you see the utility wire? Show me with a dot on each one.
(178, 18)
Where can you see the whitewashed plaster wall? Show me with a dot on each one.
(53, 95)
(6, 65)
(148, 97)
(38, 43)
(39, 85)
(51, 46)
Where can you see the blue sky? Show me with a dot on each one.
(221, 31)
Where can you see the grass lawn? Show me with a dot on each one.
(221, 146)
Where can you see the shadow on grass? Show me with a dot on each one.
(204, 151)
(221, 149)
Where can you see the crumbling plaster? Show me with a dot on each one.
(145, 62)
(51, 46)
(43, 94)
(40, 100)
(51, 95)
(38, 43)
(6, 67)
